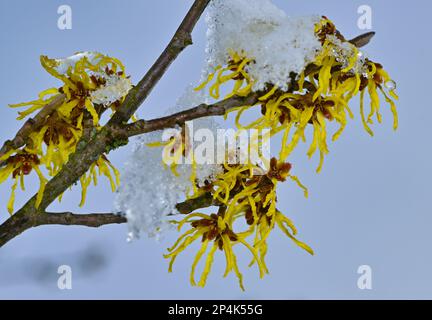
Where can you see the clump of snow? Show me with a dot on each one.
(279, 44)
(149, 190)
(115, 88)
(63, 64)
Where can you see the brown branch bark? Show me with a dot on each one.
(93, 220)
(363, 39)
(190, 205)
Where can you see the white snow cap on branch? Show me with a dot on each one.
(279, 44)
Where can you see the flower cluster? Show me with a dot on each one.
(92, 84)
(246, 196)
(319, 94)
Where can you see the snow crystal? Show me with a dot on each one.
(279, 44)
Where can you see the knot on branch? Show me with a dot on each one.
(181, 40)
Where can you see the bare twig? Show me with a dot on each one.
(363, 39)
(93, 220)
(204, 201)
(14, 227)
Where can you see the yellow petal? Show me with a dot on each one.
(90, 108)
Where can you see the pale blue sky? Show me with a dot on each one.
(370, 205)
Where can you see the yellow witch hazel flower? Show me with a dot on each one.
(90, 79)
(18, 166)
(93, 83)
(243, 193)
(320, 93)
(101, 167)
(233, 71)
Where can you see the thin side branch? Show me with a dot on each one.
(17, 225)
(363, 39)
(93, 220)
(204, 201)
(203, 110)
